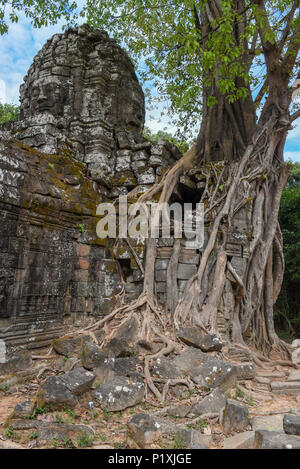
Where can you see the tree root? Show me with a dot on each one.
(172, 382)
(256, 175)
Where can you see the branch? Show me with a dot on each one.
(267, 46)
(286, 30)
(292, 51)
(261, 93)
(295, 116)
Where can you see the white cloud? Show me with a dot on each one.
(17, 50)
(2, 92)
(292, 155)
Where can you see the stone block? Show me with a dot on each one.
(144, 429)
(78, 380)
(194, 337)
(186, 271)
(291, 424)
(119, 394)
(265, 439)
(235, 417)
(55, 394)
(289, 387)
(188, 438)
(243, 440)
(213, 403)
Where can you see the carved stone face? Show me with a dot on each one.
(85, 86)
(49, 94)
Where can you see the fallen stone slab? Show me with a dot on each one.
(288, 387)
(294, 376)
(55, 394)
(144, 429)
(105, 371)
(7, 444)
(15, 361)
(119, 348)
(112, 367)
(205, 370)
(78, 380)
(238, 354)
(213, 403)
(62, 431)
(185, 439)
(24, 424)
(244, 440)
(119, 394)
(165, 368)
(186, 361)
(268, 422)
(128, 366)
(245, 371)
(215, 373)
(69, 364)
(69, 346)
(123, 343)
(235, 416)
(291, 424)
(194, 337)
(23, 409)
(265, 439)
(180, 411)
(91, 356)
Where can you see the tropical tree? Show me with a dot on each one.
(8, 112)
(287, 308)
(40, 12)
(234, 63)
(209, 56)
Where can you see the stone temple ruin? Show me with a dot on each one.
(78, 143)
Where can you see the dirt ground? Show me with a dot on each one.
(110, 427)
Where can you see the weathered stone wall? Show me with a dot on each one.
(79, 143)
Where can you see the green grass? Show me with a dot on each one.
(85, 440)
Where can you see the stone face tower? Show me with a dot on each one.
(82, 88)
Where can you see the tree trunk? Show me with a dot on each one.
(241, 267)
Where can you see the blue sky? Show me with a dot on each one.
(22, 42)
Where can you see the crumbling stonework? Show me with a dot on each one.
(78, 143)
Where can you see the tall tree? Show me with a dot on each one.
(209, 56)
(234, 63)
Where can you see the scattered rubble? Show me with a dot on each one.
(235, 416)
(193, 336)
(144, 430)
(216, 413)
(119, 394)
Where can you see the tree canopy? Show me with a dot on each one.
(40, 12)
(178, 56)
(8, 112)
